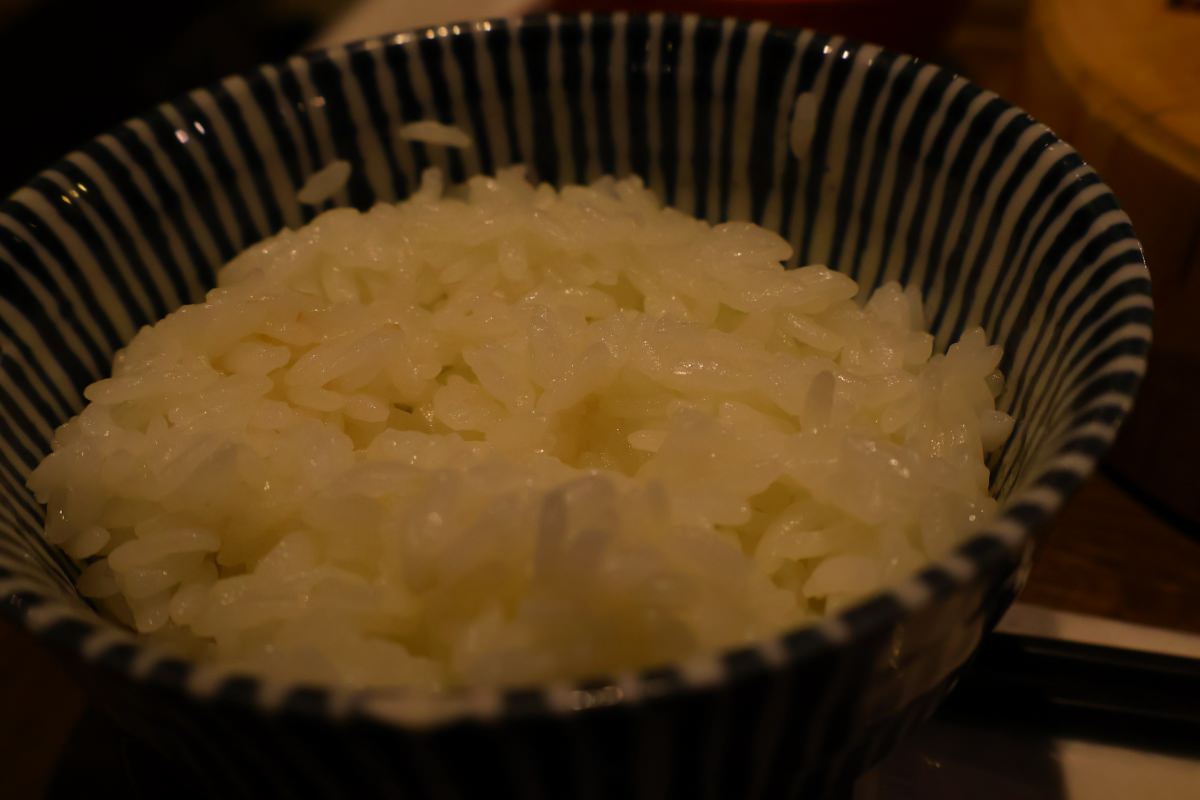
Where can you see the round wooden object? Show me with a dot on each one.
(1120, 80)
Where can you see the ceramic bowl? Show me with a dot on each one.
(878, 164)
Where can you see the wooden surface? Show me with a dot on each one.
(1120, 81)
(1113, 72)
(1110, 556)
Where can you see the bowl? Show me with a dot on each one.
(879, 164)
(916, 26)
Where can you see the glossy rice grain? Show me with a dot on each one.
(508, 433)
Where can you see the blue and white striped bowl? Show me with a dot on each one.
(894, 168)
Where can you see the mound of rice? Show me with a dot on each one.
(507, 434)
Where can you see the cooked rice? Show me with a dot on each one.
(507, 434)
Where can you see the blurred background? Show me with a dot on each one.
(1119, 79)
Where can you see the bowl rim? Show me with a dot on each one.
(1001, 550)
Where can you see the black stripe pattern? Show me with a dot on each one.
(875, 163)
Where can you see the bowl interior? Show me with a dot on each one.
(877, 164)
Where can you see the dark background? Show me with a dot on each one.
(70, 69)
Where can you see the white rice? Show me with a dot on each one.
(512, 434)
(324, 183)
(432, 132)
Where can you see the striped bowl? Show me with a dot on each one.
(876, 163)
